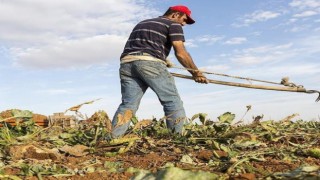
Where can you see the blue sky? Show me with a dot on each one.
(62, 53)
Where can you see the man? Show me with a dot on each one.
(143, 65)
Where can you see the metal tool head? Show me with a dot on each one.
(318, 99)
(314, 91)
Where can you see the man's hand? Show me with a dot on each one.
(199, 77)
(186, 61)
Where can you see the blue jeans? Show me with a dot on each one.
(136, 77)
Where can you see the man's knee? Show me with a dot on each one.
(121, 122)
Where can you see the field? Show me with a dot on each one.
(222, 148)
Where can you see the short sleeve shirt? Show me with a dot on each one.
(154, 36)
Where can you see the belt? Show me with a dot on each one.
(138, 54)
(135, 56)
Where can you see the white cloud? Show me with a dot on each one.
(267, 48)
(262, 54)
(298, 28)
(236, 40)
(292, 20)
(68, 33)
(71, 53)
(306, 74)
(305, 8)
(190, 43)
(204, 39)
(256, 33)
(305, 14)
(63, 18)
(297, 59)
(304, 4)
(257, 16)
(215, 68)
(311, 45)
(296, 69)
(209, 39)
(247, 59)
(263, 15)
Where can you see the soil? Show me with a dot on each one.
(273, 165)
(155, 160)
(31, 153)
(39, 119)
(152, 155)
(152, 161)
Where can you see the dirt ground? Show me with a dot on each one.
(269, 152)
(153, 161)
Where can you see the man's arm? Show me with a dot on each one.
(186, 60)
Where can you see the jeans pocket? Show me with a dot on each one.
(125, 71)
(151, 69)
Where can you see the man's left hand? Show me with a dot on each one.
(200, 78)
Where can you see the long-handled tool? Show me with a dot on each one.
(285, 84)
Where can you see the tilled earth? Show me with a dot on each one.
(281, 149)
(154, 161)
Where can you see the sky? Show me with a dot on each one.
(57, 54)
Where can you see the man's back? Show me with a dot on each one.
(154, 36)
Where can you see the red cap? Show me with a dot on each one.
(184, 9)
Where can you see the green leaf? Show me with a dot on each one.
(267, 126)
(201, 116)
(110, 154)
(134, 120)
(216, 145)
(66, 135)
(177, 173)
(314, 152)
(225, 148)
(310, 168)
(124, 140)
(110, 164)
(248, 144)
(226, 118)
(9, 177)
(89, 169)
(21, 114)
(186, 159)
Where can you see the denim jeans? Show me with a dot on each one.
(136, 77)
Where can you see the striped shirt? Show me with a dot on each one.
(154, 36)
